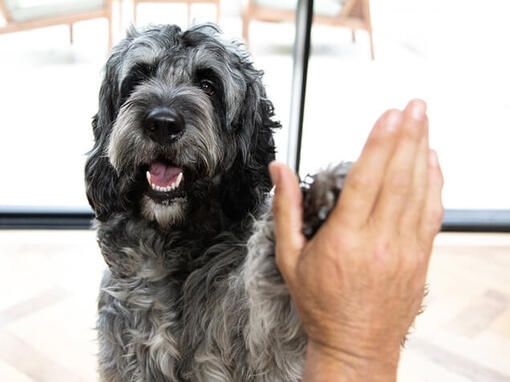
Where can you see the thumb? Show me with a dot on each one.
(288, 217)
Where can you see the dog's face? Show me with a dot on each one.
(182, 118)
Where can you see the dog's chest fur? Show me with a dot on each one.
(174, 309)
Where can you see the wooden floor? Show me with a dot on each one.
(49, 282)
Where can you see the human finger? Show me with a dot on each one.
(288, 216)
(412, 212)
(365, 177)
(398, 178)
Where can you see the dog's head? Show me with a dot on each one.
(183, 123)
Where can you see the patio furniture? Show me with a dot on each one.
(23, 15)
(353, 14)
(189, 3)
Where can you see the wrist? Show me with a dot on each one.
(328, 364)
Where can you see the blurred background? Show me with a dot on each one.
(454, 54)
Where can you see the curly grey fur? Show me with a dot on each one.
(194, 296)
(231, 320)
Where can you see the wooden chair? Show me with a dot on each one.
(187, 2)
(20, 17)
(353, 14)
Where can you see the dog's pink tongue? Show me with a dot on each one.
(163, 175)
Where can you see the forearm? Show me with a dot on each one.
(326, 365)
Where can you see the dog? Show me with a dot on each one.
(179, 183)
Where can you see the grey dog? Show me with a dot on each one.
(178, 179)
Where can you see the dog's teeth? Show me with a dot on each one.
(178, 181)
(168, 188)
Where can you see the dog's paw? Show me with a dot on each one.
(320, 193)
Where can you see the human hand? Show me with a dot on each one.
(359, 282)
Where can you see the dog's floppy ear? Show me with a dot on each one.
(253, 128)
(256, 125)
(260, 123)
(102, 182)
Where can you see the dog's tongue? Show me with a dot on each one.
(163, 175)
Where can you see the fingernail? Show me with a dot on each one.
(418, 109)
(433, 160)
(274, 171)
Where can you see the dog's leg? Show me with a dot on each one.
(275, 338)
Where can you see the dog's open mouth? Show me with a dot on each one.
(165, 181)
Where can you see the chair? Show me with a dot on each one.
(187, 2)
(23, 15)
(353, 14)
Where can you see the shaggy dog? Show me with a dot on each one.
(178, 179)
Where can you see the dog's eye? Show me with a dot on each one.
(207, 86)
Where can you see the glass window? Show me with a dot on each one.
(454, 55)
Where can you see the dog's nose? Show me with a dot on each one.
(164, 125)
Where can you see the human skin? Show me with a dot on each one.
(358, 284)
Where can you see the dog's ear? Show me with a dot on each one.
(256, 125)
(253, 128)
(101, 180)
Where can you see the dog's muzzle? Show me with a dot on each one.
(164, 126)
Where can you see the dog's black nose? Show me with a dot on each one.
(163, 125)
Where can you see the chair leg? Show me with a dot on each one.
(71, 37)
(368, 22)
(218, 12)
(134, 12)
(353, 34)
(372, 54)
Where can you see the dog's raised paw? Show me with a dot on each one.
(320, 193)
